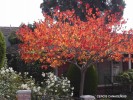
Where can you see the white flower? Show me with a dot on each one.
(2, 68)
(72, 88)
(26, 73)
(11, 70)
(8, 96)
(53, 81)
(3, 71)
(28, 88)
(38, 88)
(66, 89)
(32, 83)
(24, 86)
(71, 94)
(63, 86)
(14, 77)
(7, 70)
(52, 84)
(68, 81)
(43, 74)
(48, 82)
(34, 89)
(51, 75)
(55, 78)
(48, 86)
(41, 82)
(19, 73)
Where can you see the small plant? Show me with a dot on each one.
(13, 38)
(72, 74)
(126, 77)
(57, 86)
(91, 81)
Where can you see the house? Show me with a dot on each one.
(112, 68)
(7, 31)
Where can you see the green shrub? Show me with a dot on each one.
(56, 86)
(2, 49)
(91, 79)
(126, 77)
(11, 81)
(13, 38)
(73, 75)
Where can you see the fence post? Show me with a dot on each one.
(23, 95)
(87, 97)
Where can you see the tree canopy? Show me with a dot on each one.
(55, 41)
(115, 6)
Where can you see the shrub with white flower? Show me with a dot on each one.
(11, 81)
(57, 86)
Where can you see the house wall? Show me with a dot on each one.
(106, 71)
(103, 70)
(125, 66)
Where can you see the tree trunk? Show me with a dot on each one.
(82, 79)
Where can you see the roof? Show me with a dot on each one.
(7, 30)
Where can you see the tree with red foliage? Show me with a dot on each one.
(72, 40)
(51, 6)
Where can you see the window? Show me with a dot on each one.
(116, 69)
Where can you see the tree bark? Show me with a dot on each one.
(82, 79)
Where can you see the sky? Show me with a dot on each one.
(15, 12)
(128, 13)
